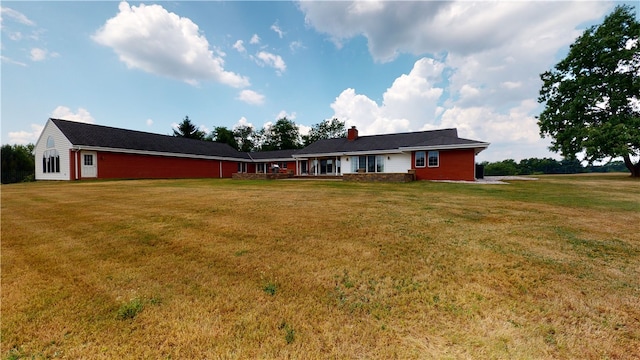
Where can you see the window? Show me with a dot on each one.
(420, 158)
(434, 158)
(371, 163)
(51, 162)
(282, 164)
(379, 164)
(88, 160)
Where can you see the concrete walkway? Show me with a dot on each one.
(491, 180)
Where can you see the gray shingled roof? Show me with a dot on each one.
(83, 134)
(389, 142)
(273, 155)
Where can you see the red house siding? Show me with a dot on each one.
(291, 167)
(128, 166)
(228, 168)
(453, 165)
(72, 165)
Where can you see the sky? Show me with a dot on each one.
(381, 66)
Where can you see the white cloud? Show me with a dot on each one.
(255, 39)
(486, 80)
(459, 27)
(276, 28)
(15, 36)
(26, 137)
(411, 101)
(251, 97)
(82, 115)
(275, 61)
(511, 84)
(239, 46)
(15, 15)
(150, 38)
(38, 54)
(411, 104)
(303, 129)
(283, 114)
(11, 61)
(295, 45)
(242, 122)
(149, 122)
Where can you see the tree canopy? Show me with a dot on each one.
(283, 135)
(592, 97)
(188, 130)
(18, 163)
(327, 129)
(223, 135)
(245, 135)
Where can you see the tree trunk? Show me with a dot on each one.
(634, 168)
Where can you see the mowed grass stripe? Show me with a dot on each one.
(305, 269)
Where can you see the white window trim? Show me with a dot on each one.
(415, 160)
(438, 158)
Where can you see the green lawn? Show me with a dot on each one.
(319, 269)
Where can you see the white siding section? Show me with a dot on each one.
(397, 163)
(393, 163)
(345, 165)
(62, 145)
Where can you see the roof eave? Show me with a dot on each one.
(154, 153)
(351, 153)
(478, 145)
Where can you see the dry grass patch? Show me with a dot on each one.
(234, 269)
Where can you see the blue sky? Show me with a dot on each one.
(381, 66)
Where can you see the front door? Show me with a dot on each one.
(89, 164)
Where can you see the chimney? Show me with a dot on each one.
(352, 133)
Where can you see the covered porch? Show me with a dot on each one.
(319, 166)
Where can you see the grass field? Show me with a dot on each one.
(307, 269)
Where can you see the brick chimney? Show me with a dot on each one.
(352, 133)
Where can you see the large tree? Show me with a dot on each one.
(592, 97)
(187, 129)
(283, 135)
(223, 135)
(327, 129)
(245, 135)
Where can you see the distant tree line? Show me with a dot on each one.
(284, 134)
(18, 163)
(535, 166)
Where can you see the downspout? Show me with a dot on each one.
(76, 161)
(220, 169)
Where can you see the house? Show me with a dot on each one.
(68, 150)
(277, 161)
(427, 155)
